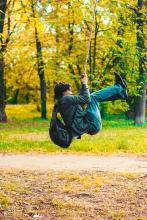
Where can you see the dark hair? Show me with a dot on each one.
(60, 88)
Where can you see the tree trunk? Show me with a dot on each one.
(140, 108)
(95, 44)
(70, 29)
(90, 58)
(15, 97)
(57, 65)
(41, 74)
(141, 99)
(3, 116)
(74, 76)
(70, 47)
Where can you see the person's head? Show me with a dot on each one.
(62, 89)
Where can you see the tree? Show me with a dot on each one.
(32, 19)
(3, 117)
(71, 24)
(40, 64)
(141, 99)
(51, 39)
(5, 32)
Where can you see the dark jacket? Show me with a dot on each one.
(71, 105)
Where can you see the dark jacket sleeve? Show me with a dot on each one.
(83, 98)
(81, 90)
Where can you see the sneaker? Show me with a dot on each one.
(125, 94)
(119, 80)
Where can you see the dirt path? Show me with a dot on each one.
(69, 162)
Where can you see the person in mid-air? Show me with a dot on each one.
(71, 106)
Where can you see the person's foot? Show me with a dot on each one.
(119, 80)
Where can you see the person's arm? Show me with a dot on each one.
(83, 98)
(81, 92)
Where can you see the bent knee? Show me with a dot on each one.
(94, 131)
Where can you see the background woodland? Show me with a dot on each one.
(43, 42)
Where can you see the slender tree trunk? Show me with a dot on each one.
(15, 97)
(41, 73)
(70, 46)
(95, 44)
(140, 100)
(73, 74)
(3, 116)
(90, 59)
(70, 29)
(57, 38)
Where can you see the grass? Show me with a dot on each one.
(70, 195)
(26, 132)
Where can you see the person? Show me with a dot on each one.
(71, 106)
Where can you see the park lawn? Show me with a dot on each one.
(26, 132)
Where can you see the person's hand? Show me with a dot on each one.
(84, 78)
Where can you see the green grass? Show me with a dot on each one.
(25, 133)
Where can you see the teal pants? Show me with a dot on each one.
(93, 111)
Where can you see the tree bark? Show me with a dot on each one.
(95, 44)
(70, 47)
(57, 65)
(70, 29)
(140, 108)
(15, 96)
(90, 58)
(41, 73)
(141, 99)
(3, 117)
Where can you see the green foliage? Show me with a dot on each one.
(64, 33)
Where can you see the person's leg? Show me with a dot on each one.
(108, 93)
(93, 116)
(93, 112)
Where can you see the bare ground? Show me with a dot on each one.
(64, 195)
(50, 187)
(60, 162)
